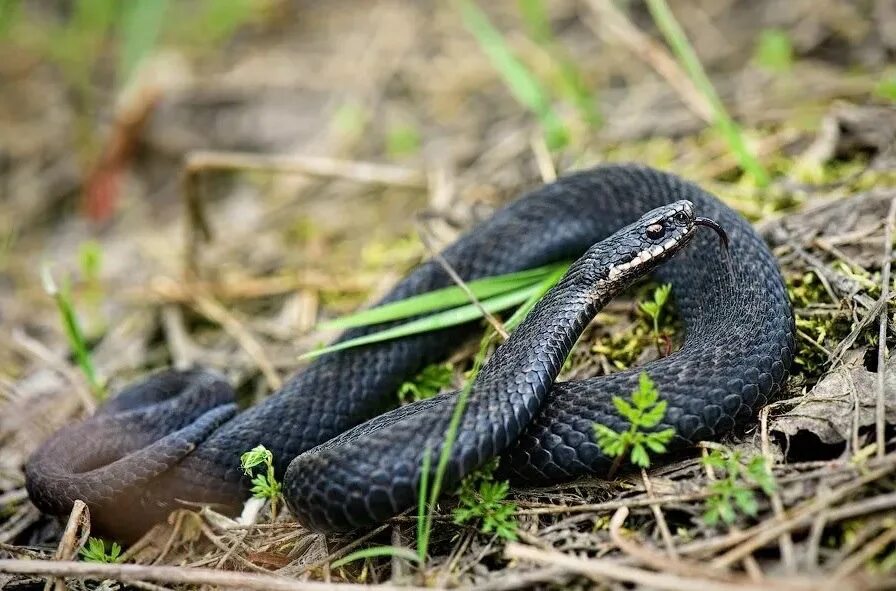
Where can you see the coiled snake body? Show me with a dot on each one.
(178, 436)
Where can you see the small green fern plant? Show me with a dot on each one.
(643, 412)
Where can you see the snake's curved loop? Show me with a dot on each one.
(738, 345)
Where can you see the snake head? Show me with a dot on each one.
(638, 248)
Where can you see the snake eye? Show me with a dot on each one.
(655, 231)
(680, 217)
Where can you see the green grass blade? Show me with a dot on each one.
(376, 552)
(433, 322)
(451, 433)
(72, 327)
(524, 87)
(441, 299)
(686, 55)
(140, 23)
(450, 438)
(570, 80)
(422, 541)
(9, 15)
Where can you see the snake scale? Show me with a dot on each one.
(348, 461)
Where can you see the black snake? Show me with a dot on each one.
(178, 435)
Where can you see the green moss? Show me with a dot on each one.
(429, 382)
(817, 333)
(623, 348)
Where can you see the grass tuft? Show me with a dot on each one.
(523, 85)
(140, 25)
(429, 382)
(686, 55)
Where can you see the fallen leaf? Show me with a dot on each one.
(843, 397)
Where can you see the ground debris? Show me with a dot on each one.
(841, 403)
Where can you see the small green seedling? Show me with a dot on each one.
(654, 309)
(487, 503)
(95, 551)
(78, 343)
(645, 411)
(429, 382)
(264, 485)
(733, 493)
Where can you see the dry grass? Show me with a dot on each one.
(234, 270)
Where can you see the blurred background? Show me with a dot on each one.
(204, 180)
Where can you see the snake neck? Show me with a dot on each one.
(535, 352)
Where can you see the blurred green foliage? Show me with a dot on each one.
(774, 51)
(886, 87)
(569, 80)
(684, 52)
(559, 80)
(79, 36)
(99, 44)
(402, 139)
(522, 83)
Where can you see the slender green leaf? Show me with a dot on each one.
(431, 323)
(570, 82)
(443, 299)
(376, 552)
(535, 15)
(74, 333)
(140, 25)
(450, 437)
(686, 55)
(524, 87)
(422, 542)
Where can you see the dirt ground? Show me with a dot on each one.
(239, 188)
